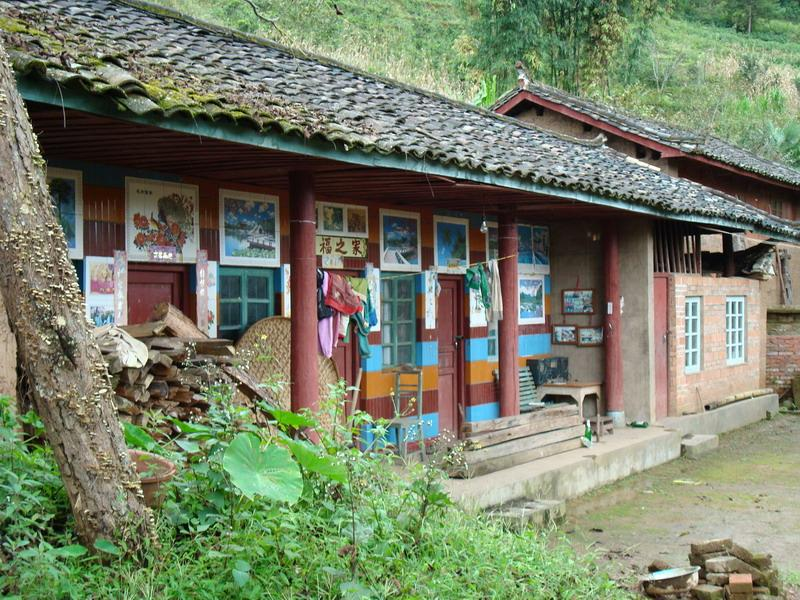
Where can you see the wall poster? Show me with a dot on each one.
(531, 299)
(66, 192)
(373, 276)
(286, 281)
(249, 229)
(451, 244)
(162, 221)
(346, 220)
(202, 290)
(400, 243)
(213, 295)
(430, 281)
(120, 287)
(98, 276)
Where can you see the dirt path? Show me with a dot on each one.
(749, 490)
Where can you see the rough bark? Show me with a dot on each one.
(64, 372)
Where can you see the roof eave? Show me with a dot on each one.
(35, 89)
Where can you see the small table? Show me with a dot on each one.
(577, 390)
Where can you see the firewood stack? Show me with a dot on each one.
(167, 365)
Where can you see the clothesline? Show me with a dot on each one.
(484, 262)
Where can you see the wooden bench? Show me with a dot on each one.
(576, 390)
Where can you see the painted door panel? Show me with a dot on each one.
(661, 331)
(149, 285)
(450, 327)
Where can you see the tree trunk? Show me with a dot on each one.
(65, 375)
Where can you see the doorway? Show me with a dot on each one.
(450, 325)
(151, 284)
(661, 339)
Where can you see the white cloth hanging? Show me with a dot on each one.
(495, 312)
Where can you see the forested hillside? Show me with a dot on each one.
(731, 68)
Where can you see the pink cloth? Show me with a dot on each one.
(325, 327)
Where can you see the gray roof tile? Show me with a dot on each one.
(157, 64)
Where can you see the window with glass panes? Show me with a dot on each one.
(245, 296)
(734, 329)
(491, 341)
(398, 320)
(692, 335)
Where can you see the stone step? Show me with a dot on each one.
(697, 444)
(539, 514)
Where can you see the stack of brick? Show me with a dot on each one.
(729, 571)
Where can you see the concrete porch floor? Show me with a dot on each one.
(624, 453)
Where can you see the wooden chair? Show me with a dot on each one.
(407, 386)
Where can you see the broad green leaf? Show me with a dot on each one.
(290, 419)
(313, 461)
(353, 590)
(185, 427)
(137, 437)
(72, 551)
(107, 547)
(188, 446)
(242, 565)
(241, 577)
(269, 472)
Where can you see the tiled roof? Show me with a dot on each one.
(686, 141)
(158, 64)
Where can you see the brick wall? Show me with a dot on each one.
(783, 347)
(716, 380)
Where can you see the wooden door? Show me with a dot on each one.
(661, 337)
(450, 326)
(150, 284)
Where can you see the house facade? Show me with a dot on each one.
(766, 185)
(221, 181)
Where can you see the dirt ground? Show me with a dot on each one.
(748, 489)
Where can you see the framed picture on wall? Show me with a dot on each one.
(451, 244)
(249, 229)
(531, 299)
(347, 220)
(162, 221)
(400, 241)
(540, 243)
(577, 302)
(492, 241)
(565, 334)
(525, 248)
(66, 192)
(590, 336)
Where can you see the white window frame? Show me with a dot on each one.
(692, 334)
(735, 330)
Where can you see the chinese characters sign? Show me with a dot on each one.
(331, 245)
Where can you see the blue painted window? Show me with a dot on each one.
(398, 320)
(245, 296)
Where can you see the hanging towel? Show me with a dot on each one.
(344, 321)
(325, 326)
(340, 295)
(477, 280)
(323, 311)
(495, 294)
(361, 329)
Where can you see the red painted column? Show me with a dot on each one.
(615, 405)
(508, 327)
(303, 260)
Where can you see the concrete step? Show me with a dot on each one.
(539, 514)
(694, 445)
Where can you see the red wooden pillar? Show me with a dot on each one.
(303, 260)
(507, 328)
(615, 405)
(729, 264)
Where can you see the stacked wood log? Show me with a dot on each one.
(180, 364)
(508, 441)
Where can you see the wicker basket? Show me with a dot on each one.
(266, 348)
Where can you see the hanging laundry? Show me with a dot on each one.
(495, 312)
(477, 280)
(327, 327)
(361, 330)
(323, 311)
(340, 295)
(344, 322)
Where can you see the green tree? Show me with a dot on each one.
(744, 14)
(567, 43)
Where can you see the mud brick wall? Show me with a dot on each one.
(716, 379)
(783, 347)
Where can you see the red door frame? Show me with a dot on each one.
(662, 341)
(188, 307)
(459, 298)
